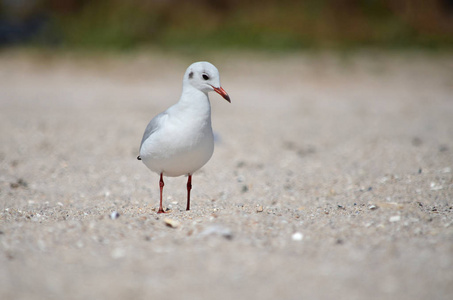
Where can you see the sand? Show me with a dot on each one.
(331, 179)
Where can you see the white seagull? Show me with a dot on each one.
(179, 141)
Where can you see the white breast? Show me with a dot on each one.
(183, 141)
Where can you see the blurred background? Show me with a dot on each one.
(250, 24)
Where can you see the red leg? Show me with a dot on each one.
(189, 187)
(161, 185)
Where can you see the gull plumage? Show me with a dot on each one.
(179, 141)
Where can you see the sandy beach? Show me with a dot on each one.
(332, 178)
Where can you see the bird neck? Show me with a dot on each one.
(194, 99)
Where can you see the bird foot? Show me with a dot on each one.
(162, 211)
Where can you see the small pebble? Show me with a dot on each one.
(395, 219)
(19, 183)
(218, 230)
(171, 223)
(259, 208)
(435, 187)
(114, 215)
(298, 236)
(384, 179)
(372, 207)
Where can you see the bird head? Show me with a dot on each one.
(205, 77)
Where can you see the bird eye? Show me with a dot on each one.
(205, 77)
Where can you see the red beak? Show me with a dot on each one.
(222, 93)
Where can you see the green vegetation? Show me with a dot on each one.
(252, 24)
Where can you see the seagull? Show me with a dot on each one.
(179, 141)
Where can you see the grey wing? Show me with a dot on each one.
(153, 125)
